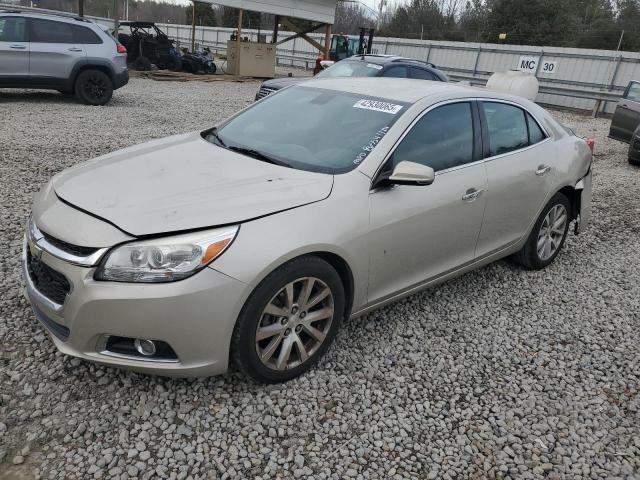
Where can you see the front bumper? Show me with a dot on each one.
(195, 316)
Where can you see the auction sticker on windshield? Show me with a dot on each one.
(378, 106)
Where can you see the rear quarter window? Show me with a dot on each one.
(85, 35)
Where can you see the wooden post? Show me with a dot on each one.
(274, 39)
(116, 20)
(327, 41)
(237, 66)
(193, 28)
(81, 8)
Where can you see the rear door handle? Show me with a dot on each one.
(75, 49)
(542, 170)
(471, 194)
(18, 47)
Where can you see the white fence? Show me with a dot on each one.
(569, 77)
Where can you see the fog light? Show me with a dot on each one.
(145, 347)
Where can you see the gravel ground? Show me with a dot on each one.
(502, 373)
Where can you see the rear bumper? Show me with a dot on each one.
(120, 79)
(585, 185)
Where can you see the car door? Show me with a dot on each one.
(520, 169)
(14, 48)
(626, 117)
(420, 232)
(54, 52)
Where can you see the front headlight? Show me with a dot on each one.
(165, 259)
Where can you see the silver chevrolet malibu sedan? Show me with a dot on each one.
(251, 242)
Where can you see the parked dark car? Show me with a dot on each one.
(626, 119)
(364, 66)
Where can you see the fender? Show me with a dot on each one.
(88, 63)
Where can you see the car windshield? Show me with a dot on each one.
(310, 128)
(351, 68)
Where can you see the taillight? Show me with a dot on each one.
(121, 48)
(591, 143)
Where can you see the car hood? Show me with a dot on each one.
(184, 182)
(278, 83)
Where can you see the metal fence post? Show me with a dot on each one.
(612, 82)
(475, 65)
(539, 62)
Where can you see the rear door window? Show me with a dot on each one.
(507, 127)
(85, 35)
(421, 73)
(441, 139)
(48, 31)
(13, 29)
(396, 72)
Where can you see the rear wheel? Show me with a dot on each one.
(548, 235)
(93, 87)
(289, 321)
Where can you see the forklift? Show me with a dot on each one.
(343, 46)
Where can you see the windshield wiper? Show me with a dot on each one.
(250, 152)
(213, 134)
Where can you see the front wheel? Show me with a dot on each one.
(94, 87)
(548, 235)
(289, 321)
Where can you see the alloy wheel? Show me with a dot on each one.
(294, 324)
(95, 87)
(552, 232)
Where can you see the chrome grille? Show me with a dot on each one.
(68, 247)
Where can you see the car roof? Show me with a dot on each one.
(48, 15)
(404, 90)
(385, 59)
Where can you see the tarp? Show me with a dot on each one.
(323, 11)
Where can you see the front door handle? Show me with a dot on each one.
(18, 47)
(75, 49)
(542, 170)
(471, 194)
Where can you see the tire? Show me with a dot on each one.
(291, 329)
(210, 68)
(634, 162)
(142, 64)
(530, 256)
(93, 87)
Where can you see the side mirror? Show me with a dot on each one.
(411, 173)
